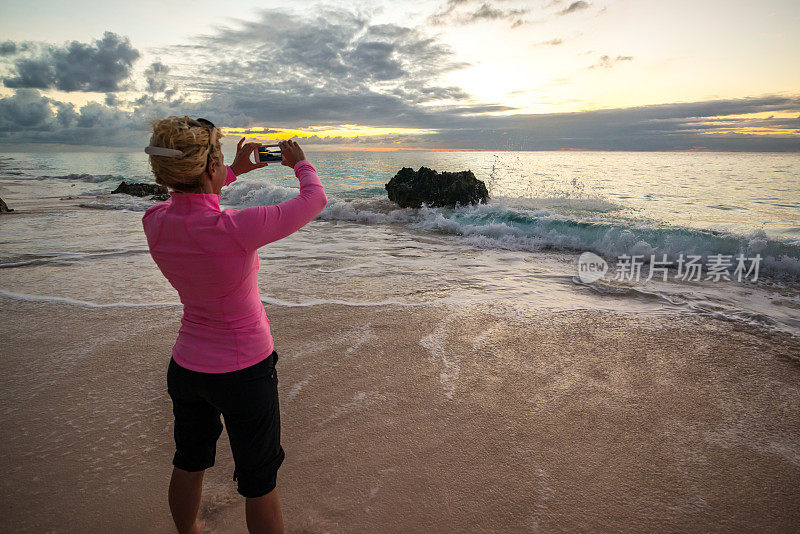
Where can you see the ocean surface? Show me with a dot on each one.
(519, 251)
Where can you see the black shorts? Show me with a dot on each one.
(247, 399)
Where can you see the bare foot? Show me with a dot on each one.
(199, 527)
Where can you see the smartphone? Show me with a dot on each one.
(268, 154)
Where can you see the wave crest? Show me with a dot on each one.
(572, 225)
(84, 177)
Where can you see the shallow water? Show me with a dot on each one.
(518, 251)
(439, 317)
(734, 192)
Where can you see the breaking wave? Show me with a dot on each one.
(85, 177)
(571, 225)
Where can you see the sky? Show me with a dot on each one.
(407, 74)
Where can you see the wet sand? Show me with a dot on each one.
(417, 419)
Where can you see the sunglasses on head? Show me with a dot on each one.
(206, 122)
(202, 122)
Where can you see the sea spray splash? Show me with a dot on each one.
(530, 224)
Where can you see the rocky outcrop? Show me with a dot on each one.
(141, 189)
(3, 207)
(410, 188)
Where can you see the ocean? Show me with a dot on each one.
(518, 251)
(435, 348)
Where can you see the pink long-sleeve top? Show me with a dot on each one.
(210, 257)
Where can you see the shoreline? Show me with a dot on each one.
(432, 418)
(772, 307)
(492, 394)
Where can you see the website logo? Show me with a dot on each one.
(591, 267)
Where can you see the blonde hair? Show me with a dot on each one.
(199, 143)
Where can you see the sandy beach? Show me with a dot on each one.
(418, 419)
(528, 267)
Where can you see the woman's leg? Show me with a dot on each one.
(264, 514)
(248, 400)
(185, 490)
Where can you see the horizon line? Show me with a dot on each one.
(62, 147)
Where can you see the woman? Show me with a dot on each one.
(223, 361)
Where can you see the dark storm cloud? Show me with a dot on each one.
(101, 66)
(574, 6)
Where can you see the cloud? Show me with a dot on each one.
(330, 68)
(607, 61)
(259, 131)
(716, 124)
(486, 12)
(551, 42)
(372, 140)
(156, 77)
(101, 66)
(574, 6)
(30, 111)
(112, 100)
(29, 117)
(333, 50)
(27, 109)
(8, 48)
(334, 68)
(452, 13)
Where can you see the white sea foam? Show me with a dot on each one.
(64, 257)
(539, 224)
(118, 202)
(125, 304)
(350, 268)
(355, 303)
(84, 177)
(438, 348)
(360, 401)
(82, 303)
(362, 336)
(553, 222)
(563, 223)
(296, 388)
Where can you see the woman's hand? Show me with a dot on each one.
(291, 152)
(242, 162)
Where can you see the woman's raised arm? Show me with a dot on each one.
(256, 226)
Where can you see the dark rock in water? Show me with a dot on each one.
(411, 188)
(140, 189)
(160, 198)
(3, 207)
